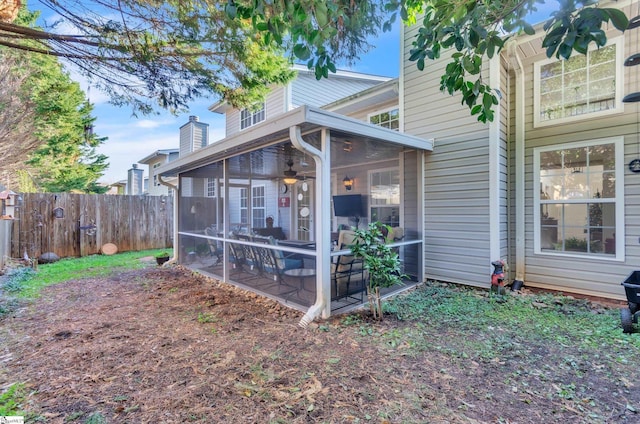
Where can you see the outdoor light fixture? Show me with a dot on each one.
(58, 213)
(290, 174)
(348, 183)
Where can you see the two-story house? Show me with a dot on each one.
(549, 185)
(154, 161)
(546, 185)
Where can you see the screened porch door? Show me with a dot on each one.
(303, 204)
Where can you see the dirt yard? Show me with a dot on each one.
(163, 345)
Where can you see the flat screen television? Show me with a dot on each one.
(349, 205)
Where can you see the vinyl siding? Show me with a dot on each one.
(503, 109)
(275, 105)
(511, 170)
(363, 114)
(306, 90)
(591, 276)
(456, 185)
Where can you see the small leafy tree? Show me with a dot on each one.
(382, 262)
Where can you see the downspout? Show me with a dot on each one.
(519, 173)
(176, 198)
(322, 306)
(494, 167)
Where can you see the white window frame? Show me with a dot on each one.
(258, 198)
(254, 116)
(618, 142)
(619, 82)
(156, 183)
(244, 198)
(389, 205)
(380, 112)
(211, 187)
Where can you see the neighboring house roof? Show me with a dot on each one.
(372, 96)
(157, 153)
(343, 84)
(121, 183)
(305, 117)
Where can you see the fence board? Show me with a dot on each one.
(130, 222)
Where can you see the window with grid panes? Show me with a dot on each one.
(582, 85)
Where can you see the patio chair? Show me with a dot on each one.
(348, 274)
(251, 264)
(273, 261)
(215, 247)
(237, 258)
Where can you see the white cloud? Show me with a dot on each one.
(131, 139)
(149, 123)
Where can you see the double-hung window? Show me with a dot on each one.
(591, 84)
(384, 194)
(578, 195)
(211, 187)
(258, 214)
(244, 210)
(387, 119)
(250, 117)
(155, 177)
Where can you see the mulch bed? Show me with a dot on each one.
(164, 345)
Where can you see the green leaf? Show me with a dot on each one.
(528, 29)
(231, 10)
(321, 14)
(487, 100)
(618, 18)
(301, 51)
(416, 54)
(491, 49)
(476, 88)
(474, 37)
(565, 51)
(468, 65)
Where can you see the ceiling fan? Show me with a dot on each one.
(291, 176)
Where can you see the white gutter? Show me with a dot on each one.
(518, 69)
(495, 202)
(322, 306)
(176, 198)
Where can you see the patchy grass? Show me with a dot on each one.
(12, 400)
(463, 312)
(67, 269)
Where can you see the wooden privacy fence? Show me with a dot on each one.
(85, 222)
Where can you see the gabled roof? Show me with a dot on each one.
(372, 96)
(222, 106)
(161, 152)
(276, 130)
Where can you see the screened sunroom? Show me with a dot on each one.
(272, 209)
